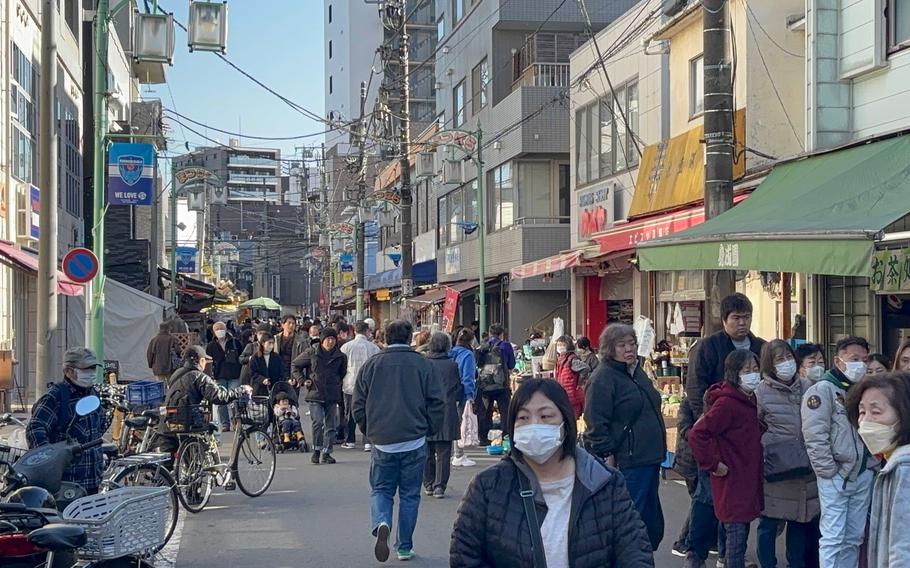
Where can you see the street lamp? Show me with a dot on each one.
(207, 30)
(469, 143)
(154, 37)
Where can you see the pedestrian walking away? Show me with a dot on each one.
(439, 445)
(321, 369)
(495, 361)
(463, 355)
(624, 424)
(398, 402)
(163, 353)
(358, 351)
(549, 502)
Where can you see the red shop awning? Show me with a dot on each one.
(624, 237)
(550, 264)
(27, 262)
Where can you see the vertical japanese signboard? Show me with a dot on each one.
(449, 309)
(890, 271)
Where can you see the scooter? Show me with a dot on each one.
(35, 494)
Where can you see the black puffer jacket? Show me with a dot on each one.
(325, 370)
(491, 529)
(189, 386)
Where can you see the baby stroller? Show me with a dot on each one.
(284, 387)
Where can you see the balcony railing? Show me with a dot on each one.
(249, 179)
(543, 75)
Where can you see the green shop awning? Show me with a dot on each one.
(817, 215)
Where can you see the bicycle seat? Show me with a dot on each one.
(137, 422)
(57, 537)
(110, 450)
(153, 413)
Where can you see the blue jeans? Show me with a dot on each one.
(845, 507)
(401, 473)
(222, 409)
(643, 484)
(704, 530)
(799, 541)
(323, 417)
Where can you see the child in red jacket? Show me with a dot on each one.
(726, 442)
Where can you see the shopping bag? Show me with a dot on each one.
(470, 436)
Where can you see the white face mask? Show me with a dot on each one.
(561, 349)
(749, 381)
(785, 370)
(855, 370)
(220, 333)
(815, 373)
(538, 442)
(879, 438)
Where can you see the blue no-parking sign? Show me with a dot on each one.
(80, 265)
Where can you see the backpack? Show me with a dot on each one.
(491, 370)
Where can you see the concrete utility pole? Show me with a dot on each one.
(719, 141)
(407, 230)
(47, 241)
(359, 237)
(101, 39)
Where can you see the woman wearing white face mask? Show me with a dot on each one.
(791, 492)
(879, 407)
(571, 373)
(810, 360)
(577, 510)
(726, 443)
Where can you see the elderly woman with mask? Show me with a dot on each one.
(624, 423)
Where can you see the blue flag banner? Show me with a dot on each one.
(186, 260)
(130, 174)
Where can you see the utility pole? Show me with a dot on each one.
(324, 216)
(719, 142)
(407, 230)
(47, 242)
(359, 237)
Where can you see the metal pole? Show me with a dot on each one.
(359, 237)
(173, 204)
(154, 289)
(102, 15)
(47, 242)
(719, 143)
(407, 237)
(482, 203)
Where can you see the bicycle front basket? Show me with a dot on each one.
(253, 412)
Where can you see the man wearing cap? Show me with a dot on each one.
(54, 411)
(189, 386)
(320, 370)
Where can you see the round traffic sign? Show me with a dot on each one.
(80, 265)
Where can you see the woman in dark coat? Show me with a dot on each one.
(624, 425)
(265, 366)
(439, 445)
(585, 516)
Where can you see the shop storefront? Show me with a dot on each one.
(835, 217)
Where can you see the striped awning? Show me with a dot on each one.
(550, 264)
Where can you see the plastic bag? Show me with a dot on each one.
(470, 436)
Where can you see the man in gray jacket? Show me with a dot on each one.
(397, 404)
(844, 468)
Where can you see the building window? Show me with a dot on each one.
(441, 27)
(69, 162)
(25, 116)
(502, 197)
(606, 134)
(457, 12)
(898, 24)
(480, 80)
(696, 86)
(532, 186)
(330, 49)
(442, 215)
(458, 105)
(456, 209)
(330, 13)
(330, 84)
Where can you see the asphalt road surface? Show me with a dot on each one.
(320, 516)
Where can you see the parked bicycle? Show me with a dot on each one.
(198, 466)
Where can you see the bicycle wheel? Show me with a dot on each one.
(194, 480)
(254, 462)
(152, 475)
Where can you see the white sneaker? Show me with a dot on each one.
(368, 447)
(468, 462)
(458, 462)
(348, 446)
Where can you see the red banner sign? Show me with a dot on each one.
(449, 309)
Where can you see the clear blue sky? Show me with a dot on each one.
(280, 42)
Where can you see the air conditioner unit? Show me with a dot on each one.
(426, 164)
(452, 172)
